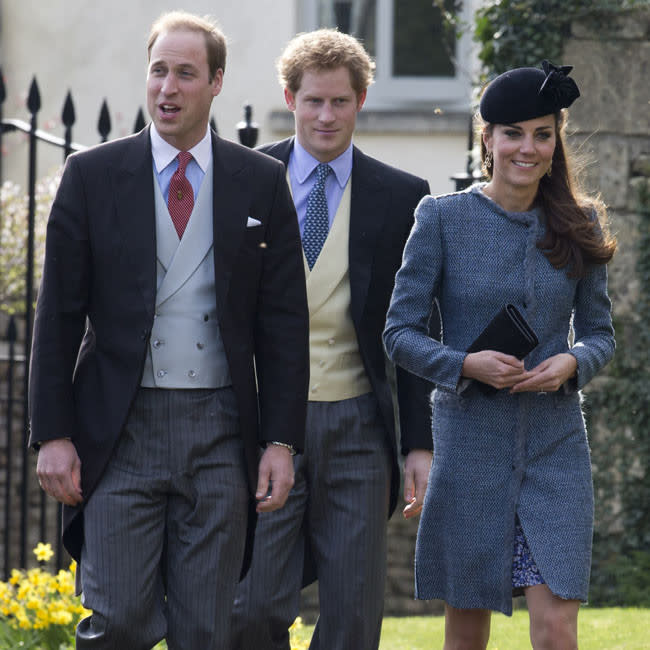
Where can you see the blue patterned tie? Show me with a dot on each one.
(317, 220)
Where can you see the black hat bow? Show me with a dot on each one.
(558, 86)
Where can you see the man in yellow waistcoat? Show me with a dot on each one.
(355, 214)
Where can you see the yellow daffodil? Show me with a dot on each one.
(43, 552)
(39, 607)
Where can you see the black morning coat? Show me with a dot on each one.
(96, 304)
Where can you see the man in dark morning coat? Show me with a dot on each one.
(165, 354)
(347, 480)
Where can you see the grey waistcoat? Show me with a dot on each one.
(185, 348)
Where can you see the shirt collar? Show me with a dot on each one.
(305, 164)
(163, 153)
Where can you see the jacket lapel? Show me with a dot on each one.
(193, 247)
(230, 213)
(280, 150)
(134, 207)
(368, 210)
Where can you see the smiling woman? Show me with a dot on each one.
(509, 462)
(523, 117)
(521, 154)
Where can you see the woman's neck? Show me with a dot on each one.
(511, 198)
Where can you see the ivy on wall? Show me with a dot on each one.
(516, 33)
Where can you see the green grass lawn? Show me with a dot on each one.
(598, 629)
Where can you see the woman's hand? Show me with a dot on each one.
(494, 368)
(549, 375)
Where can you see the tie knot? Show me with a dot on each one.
(322, 172)
(184, 158)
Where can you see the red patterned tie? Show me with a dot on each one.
(181, 196)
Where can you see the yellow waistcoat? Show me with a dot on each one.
(336, 368)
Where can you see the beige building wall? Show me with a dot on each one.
(97, 51)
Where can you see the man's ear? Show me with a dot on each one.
(217, 82)
(361, 98)
(290, 98)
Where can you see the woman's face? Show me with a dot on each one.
(522, 152)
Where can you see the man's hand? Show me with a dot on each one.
(416, 476)
(59, 471)
(276, 473)
(548, 376)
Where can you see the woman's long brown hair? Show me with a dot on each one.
(576, 232)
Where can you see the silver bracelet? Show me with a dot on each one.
(291, 449)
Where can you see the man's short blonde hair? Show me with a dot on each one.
(215, 41)
(325, 49)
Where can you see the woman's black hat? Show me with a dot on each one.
(526, 93)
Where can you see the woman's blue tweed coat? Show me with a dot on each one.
(498, 456)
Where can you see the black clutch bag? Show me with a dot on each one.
(509, 333)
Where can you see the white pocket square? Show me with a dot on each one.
(251, 223)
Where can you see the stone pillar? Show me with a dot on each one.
(611, 128)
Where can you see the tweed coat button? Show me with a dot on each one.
(199, 346)
(161, 373)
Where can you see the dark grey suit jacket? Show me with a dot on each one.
(96, 304)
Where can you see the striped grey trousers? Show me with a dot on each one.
(339, 507)
(164, 531)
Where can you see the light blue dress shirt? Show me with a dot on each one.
(302, 175)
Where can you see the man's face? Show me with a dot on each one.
(179, 88)
(325, 109)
